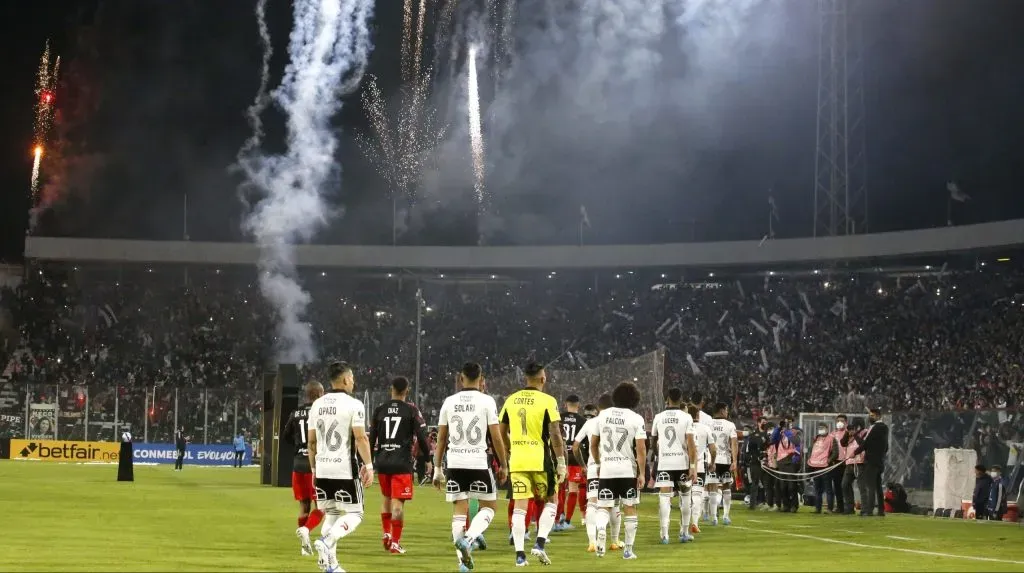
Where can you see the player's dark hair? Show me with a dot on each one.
(876, 411)
(721, 407)
(337, 368)
(693, 411)
(697, 398)
(626, 395)
(533, 370)
(674, 396)
(589, 409)
(572, 399)
(604, 401)
(841, 416)
(472, 371)
(399, 385)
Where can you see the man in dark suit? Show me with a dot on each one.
(875, 446)
(180, 444)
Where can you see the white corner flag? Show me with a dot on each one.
(955, 193)
(584, 219)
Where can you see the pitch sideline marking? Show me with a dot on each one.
(866, 546)
(850, 531)
(898, 538)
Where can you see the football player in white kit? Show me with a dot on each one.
(465, 419)
(619, 445)
(581, 449)
(727, 447)
(703, 417)
(705, 452)
(337, 431)
(674, 475)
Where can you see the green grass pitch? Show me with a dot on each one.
(78, 518)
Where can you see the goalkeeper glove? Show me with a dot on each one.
(561, 470)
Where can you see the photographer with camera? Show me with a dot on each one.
(854, 462)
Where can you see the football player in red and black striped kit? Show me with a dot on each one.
(296, 431)
(569, 490)
(395, 424)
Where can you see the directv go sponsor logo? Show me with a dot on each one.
(64, 451)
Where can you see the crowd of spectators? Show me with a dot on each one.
(928, 340)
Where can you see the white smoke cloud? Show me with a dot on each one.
(328, 51)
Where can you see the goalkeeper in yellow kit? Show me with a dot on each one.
(530, 424)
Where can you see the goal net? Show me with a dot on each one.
(647, 371)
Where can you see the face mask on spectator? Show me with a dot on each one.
(995, 475)
(822, 431)
(840, 425)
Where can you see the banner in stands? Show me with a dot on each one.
(63, 451)
(42, 421)
(195, 454)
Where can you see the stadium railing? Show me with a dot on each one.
(151, 414)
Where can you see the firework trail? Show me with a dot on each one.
(37, 154)
(418, 53)
(328, 50)
(476, 138)
(442, 35)
(503, 54)
(407, 40)
(260, 103)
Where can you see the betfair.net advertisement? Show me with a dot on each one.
(64, 451)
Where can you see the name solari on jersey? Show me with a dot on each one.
(468, 414)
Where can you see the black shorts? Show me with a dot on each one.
(593, 487)
(611, 490)
(723, 473)
(672, 478)
(348, 493)
(470, 484)
(702, 478)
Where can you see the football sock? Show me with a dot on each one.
(583, 503)
(385, 522)
(685, 509)
(714, 498)
(519, 529)
(664, 513)
(302, 520)
(601, 519)
(590, 519)
(511, 508)
(616, 522)
(345, 525)
(631, 525)
(545, 523)
(570, 505)
(480, 523)
(561, 502)
(726, 502)
(458, 527)
(696, 503)
(396, 530)
(314, 519)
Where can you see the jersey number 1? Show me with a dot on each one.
(302, 430)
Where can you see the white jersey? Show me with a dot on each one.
(619, 429)
(468, 415)
(589, 428)
(671, 427)
(702, 439)
(333, 416)
(724, 432)
(705, 418)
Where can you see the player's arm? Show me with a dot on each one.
(504, 428)
(441, 446)
(734, 445)
(289, 430)
(362, 441)
(595, 446)
(714, 451)
(373, 429)
(577, 450)
(500, 451)
(641, 458)
(311, 445)
(421, 432)
(556, 439)
(691, 452)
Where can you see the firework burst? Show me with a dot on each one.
(46, 102)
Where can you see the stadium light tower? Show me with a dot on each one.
(840, 191)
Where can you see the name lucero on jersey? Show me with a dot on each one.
(670, 420)
(464, 407)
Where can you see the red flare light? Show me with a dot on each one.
(46, 97)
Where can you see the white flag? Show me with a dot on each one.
(724, 315)
(764, 360)
(758, 326)
(807, 303)
(584, 219)
(693, 364)
(955, 193)
(664, 325)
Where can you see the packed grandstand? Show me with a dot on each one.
(937, 339)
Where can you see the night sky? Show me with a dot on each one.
(664, 133)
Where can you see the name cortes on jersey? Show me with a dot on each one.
(671, 427)
(333, 416)
(468, 415)
(724, 432)
(618, 430)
